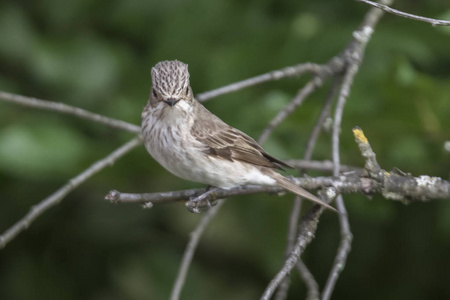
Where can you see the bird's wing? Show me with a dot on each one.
(226, 142)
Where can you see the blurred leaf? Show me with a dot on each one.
(85, 66)
(18, 36)
(407, 150)
(34, 151)
(274, 101)
(406, 74)
(306, 25)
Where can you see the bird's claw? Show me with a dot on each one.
(198, 207)
(201, 203)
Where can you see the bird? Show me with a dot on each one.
(192, 143)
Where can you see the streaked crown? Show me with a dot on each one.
(170, 78)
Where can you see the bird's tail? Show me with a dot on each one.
(286, 184)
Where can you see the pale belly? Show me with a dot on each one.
(184, 157)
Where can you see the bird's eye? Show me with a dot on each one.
(154, 93)
(187, 91)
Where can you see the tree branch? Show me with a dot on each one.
(312, 286)
(190, 250)
(59, 194)
(404, 188)
(309, 88)
(287, 72)
(354, 55)
(398, 185)
(305, 274)
(282, 291)
(69, 110)
(346, 235)
(433, 22)
(307, 230)
(371, 166)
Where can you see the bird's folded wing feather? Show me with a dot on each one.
(226, 142)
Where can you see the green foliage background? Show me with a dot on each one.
(97, 55)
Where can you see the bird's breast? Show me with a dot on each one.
(170, 143)
(178, 151)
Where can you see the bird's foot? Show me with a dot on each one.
(201, 203)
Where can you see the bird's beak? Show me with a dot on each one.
(171, 101)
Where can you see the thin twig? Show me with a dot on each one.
(433, 22)
(59, 194)
(291, 71)
(309, 280)
(70, 110)
(283, 289)
(342, 252)
(354, 56)
(346, 236)
(343, 95)
(305, 274)
(307, 229)
(324, 114)
(190, 250)
(307, 277)
(290, 108)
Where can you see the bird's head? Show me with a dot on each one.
(170, 86)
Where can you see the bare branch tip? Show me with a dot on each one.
(113, 196)
(359, 136)
(384, 5)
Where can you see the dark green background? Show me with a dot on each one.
(97, 55)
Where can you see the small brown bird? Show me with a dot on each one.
(194, 144)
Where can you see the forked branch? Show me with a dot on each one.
(433, 22)
(59, 194)
(69, 110)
